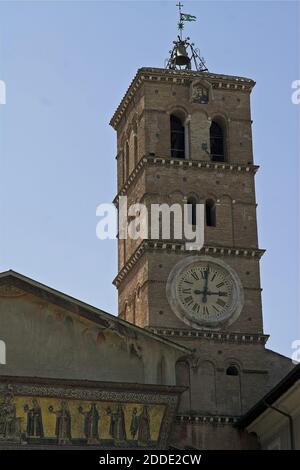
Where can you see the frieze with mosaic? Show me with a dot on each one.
(69, 422)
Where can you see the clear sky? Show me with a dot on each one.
(66, 65)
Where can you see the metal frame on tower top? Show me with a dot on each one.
(180, 58)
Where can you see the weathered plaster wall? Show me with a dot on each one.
(45, 340)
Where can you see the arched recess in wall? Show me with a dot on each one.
(137, 309)
(218, 139)
(206, 387)
(131, 305)
(210, 213)
(124, 241)
(126, 160)
(232, 388)
(121, 161)
(192, 210)
(135, 149)
(182, 370)
(225, 213)
(125, 311)
(135, 142)
(179, 134)
(173, 197)
(133, 308)
(161, 371)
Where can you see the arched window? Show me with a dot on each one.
(126, 160)
(232, 370)
(210, 213)
(124, 250)
(125, 311)
(135, 149)
(182, 370)
(232, 390)
(177, 137)
(133, 306)
(206, 374)
(161, 371)
(192, 206)
(217, 147)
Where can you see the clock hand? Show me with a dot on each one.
(204, 298)
(208, 292)
(221, 294)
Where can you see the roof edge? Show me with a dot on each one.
(271, 397)
(175, 74)
(95, 311)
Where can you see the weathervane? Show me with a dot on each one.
(179, 58)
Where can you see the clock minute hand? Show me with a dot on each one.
(204, 298)
(208, 292)
(221, 294)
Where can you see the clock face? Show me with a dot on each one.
(204, 292)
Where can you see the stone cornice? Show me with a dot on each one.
(178, 163)
(230, 337)
(207, 419)
(225, 82)
(179, 247)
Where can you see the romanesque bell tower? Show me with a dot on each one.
(184, 136)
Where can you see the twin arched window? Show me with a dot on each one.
(192, 207)
(217, 144)
(177, 137)
(210, 213)
(217, 139)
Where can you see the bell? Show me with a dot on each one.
(180, 56)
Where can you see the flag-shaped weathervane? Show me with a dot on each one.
(183, 17)
(183, 54)
(187, 17)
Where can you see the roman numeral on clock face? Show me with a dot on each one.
(220, 285)
(196, 307)
(195, 275)
(221, 303)
(188, 300)
(205, 310)
(186, 291)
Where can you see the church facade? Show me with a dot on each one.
(186, 357)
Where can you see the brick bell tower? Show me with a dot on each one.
(184, 136)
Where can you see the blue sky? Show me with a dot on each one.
(66, 66)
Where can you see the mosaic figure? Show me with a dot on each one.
(63, 423)
(91, 420)
(34, 420)
(117, 424)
